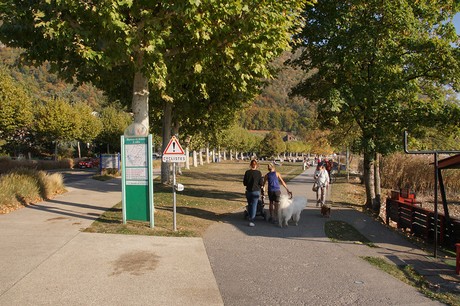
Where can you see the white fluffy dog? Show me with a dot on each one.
(290, 208)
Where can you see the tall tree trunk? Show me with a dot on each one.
(140, 103)
(377, 184)
(195, 160)
(187, 160)
(166, 131)
(201, 157)
(78, 149)
(369, 178)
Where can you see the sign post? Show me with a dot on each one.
(174, 153)
(137, 178)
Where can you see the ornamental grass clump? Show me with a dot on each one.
(416, 172)
(21, 187)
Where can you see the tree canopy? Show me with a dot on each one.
(16, 114)
(180, 51)
(380, 67)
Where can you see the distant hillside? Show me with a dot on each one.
(42, 84)
(273, 109)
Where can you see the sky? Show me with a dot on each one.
(457, 23)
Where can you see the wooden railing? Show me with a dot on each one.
(403, 209)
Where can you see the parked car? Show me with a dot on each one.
(88, 163)
(156, 156)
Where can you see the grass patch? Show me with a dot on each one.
(342, 231)
(348, 193)
(211, 191)
(408, 275)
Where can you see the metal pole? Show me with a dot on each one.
(174, 196)
(435, 204)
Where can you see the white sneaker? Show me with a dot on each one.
(251, 224)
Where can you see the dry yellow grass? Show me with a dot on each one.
(24, 186)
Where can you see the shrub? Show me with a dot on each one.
(23, 186)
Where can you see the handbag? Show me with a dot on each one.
(315, 187)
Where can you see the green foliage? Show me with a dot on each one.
(241, 140)
(114, 123)
(379, 71)
(206, 57)
(89, 124)
(272, 144)
(57, 121)
(274, 108)
(298, 147)
(41, 84)
(16, 113)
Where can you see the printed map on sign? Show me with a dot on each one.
(136, 155)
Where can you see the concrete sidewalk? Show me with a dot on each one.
(45, 259)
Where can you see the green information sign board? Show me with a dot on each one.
(137, 182)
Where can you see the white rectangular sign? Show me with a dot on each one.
(174, 158)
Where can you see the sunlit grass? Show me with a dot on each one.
(408, 275)
(211, 191)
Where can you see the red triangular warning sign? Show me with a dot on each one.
(173, 147)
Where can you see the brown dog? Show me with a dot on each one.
(325, 211)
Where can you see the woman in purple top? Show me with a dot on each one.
(273, 179)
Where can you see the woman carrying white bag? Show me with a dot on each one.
(321, 184)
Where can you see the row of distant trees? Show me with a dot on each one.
(54, 126)
(47, 126)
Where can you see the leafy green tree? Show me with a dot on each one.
(381, 68)
(297, 147)
(198, 60)
(57, 122)
(241, 140)
(89, 124)
(114, 122)
(272, 144)
(16, 113)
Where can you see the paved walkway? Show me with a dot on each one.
(45, 259)
(268, 265)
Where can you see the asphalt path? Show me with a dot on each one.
(298, 265)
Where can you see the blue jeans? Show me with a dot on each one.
(253, 198)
